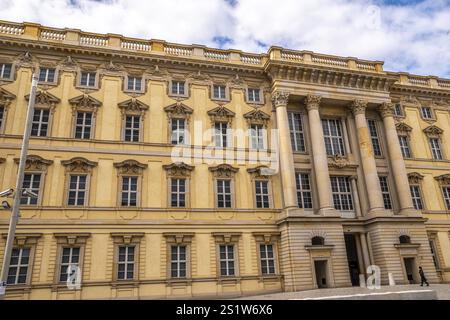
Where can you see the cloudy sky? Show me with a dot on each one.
(409, 35)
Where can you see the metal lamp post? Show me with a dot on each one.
(19, 182)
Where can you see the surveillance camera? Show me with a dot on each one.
(6, 193)
(5, 205)
(29, 193)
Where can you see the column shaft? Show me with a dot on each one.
(365, 250)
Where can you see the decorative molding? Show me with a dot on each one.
(403, 128)
(312, 102)
(415, 177)
(158, 74)
(111, 68)
(386, 109)
(223, 171)
(130, 167)
(6, 97)
(221, 114)
(178, 110)
(267, 237)
(127, 238)
(2, 160)
(79, 164)
(24, 239)
(45, 99)
(280, 99)
(433, 131)
(72, 238)
(68, 64)
(226, 237)
(35, 163)
(261, 171)
(133, 106)
(178, 237)
(26, 60)
(85, 101)
(443, 179)
(178, 169)
(358, 106)
(257, 116)
(340, 162)
(236, 82)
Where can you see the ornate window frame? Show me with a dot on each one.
(178, 170)
(126, 239)
(84, 103)
(78, 166)
(258, 117)
(178, 110)
(55, 82)
(431, 106)
(402, 110)
(36, 165)
(130, 168)
(221, 114)
(46, 101)
(143, 83)
(262, 99)
(6, 98)
(434, 132)
(416, 179)
(133, 107)
(227, 92)
(88, 69)
(187, 87)
(404, 130)
(227, 238)
(444, 182)
(14, 67)
(66, 240)
(178, 239)
(265, 238)
(224, 172)
(262, 173)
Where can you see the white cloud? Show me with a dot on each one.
(411, 37)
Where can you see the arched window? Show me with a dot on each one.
(317, 241)
(404, 239)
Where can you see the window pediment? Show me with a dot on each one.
(79, 164)
(71, 238)
(403, 128)
(85, 101)
(24, 239)
(221, 114)
(433, 131)
(261, 171)
(221, 237)
(6, 97)
(415, 177)
(178, 169)
(45, 99)
(133, 106)
(130, 167)
(267, 237)
(443, 179)
(223, 171)
(257, 116)
(127, 238)
(35, 163)
(178, 110)
(179, 237)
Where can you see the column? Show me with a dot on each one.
(279, 101)
(397, 163)
(365, 250)
(320, 158)
(367, 158)
(355, 196)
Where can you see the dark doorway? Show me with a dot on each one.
(410, 267)
(320, 267)
(352, 258)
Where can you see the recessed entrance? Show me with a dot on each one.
(410, 269)
(320, 267)
(352, 258)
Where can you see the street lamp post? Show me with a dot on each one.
(20, 174)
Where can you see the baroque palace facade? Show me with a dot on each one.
(343, 166)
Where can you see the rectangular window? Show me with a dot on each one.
(374, 135)
(129, 191)
(342, 193)
(39, 127)
(178, 192)
(446, 193)
(5, 70)
(132, 128)
(226, 260)
(219, 92)
(257, 133)
(2, 114)
(77, 190)
(87, 79)
(253, 95)
(304, 195)
(334, 139)
(262, 194)
(416, 197)
(385, 192)
(297, 133)
(267, 257)
(47, 75)
(398, 111)
(178, 261)
(178, 87)
(125, 263)
(221, 134)
(178, 129)
(18, 266)
(70, 259)
(134, 84)
(404, 146)
(83, 125)
(31, 181)
(224, 193)
(426, 113)
(436, 148)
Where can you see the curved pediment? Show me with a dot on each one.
(415, 177)
(178, 169)
(130, 166)
(223, 170)
(443, 179)
(85, 101)
(35, 163)
(78, 164)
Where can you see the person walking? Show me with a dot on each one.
(423, 279)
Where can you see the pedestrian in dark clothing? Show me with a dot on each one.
(423, 279)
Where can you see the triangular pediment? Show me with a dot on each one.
(6, 97)
(221, 111)
(85, 101)
(403, 127)
(178, 108)
(44, 98)
(257, 116)
(133, 105)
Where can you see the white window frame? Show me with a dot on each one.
(334, 138)
(135, 80)
(219, 136)
(135, 118)
(126, 263)
(70, 262)
(265, 261)
(251, 95)
(298, 140)
(264, 198)
(35, 190)
(385, 192)
(436, 148)
(230, 271)
(375, 137)
(77, 190)
(177, 192)
(129, 192)
(178, 133)
(222, 91)
(398, 110)
(446, 196)
(427, 113)
(89, 75)
(83, 125)
(258, 134)
(416, 196)
(2, 118)
(224, 193)
(47, 74)
(301, 192)
(19, 265)
(40, 122)
(178, 84)
(178, 261)
(2, 71)
(404, 146)
(345, 196)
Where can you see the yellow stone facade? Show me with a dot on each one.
(314, 86)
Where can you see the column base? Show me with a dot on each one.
(378, 212)
(410, 212)
(329, 212)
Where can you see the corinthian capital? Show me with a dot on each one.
(386, 109)
(358, 106)
(280, 99)
(312, 101)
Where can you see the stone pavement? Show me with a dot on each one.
(404, 292)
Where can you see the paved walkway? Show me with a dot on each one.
(442, 292)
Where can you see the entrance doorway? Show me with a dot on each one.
(410, 268)
(320, 267)
(352, 258)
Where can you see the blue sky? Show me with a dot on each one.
(409, 35)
